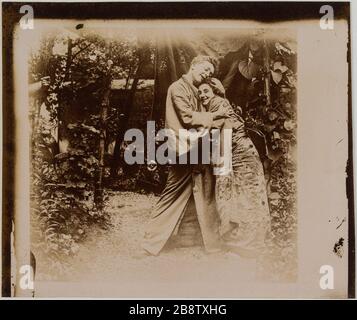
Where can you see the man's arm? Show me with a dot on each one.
(184, 110)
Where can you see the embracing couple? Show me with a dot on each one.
(232, 208)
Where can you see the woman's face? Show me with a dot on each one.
(205, 94)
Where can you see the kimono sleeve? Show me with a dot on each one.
(230, 121)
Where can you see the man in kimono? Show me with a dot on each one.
(184, 180)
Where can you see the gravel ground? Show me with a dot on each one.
(109, 256)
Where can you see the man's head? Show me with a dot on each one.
(202, 67)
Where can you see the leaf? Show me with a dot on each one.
(274, 196)
(90, 128)
(277, 76)
(276, 135)
(290, 46)
(291, 80)
(284, 48)
(249, 71)
(273, 115)
(289, 125)
(59, 48)
(279, 66)
(92, 56)
(274, 155)
(269, 127)
(285, 90)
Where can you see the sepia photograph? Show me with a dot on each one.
(178, 157)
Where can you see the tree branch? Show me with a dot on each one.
(77, 53)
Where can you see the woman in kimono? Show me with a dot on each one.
(241, 194)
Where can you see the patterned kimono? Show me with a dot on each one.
(241, 196)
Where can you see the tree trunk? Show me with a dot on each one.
(124, 120)
(267, 74)
(103, 125)
(68, 60)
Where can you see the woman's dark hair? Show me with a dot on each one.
(215, 90)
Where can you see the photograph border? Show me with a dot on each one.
(258, 11)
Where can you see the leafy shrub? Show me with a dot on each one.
(278, 122)
(63, 198)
